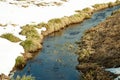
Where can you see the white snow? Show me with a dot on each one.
(12, 14)
(40, 30)
(115, 71)
(118, 78)
(8, 53)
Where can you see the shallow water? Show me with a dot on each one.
(57, 60)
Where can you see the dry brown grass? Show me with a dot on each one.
(100, 45)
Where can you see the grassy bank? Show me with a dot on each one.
(100, 49)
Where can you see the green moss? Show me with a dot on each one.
(10, 37)
(30, 32)
(24, 78)
(30, 45)
(55, 24)
(20, 62)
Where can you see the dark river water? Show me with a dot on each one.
(57, 60)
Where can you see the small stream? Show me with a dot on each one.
(57, 60)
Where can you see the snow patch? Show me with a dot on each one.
(114, 70)
(40, 30)
(118, 78)
(8, 53)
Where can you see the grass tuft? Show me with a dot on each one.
(31, 45)
(20, 62)
(10, 37)
(30, 32)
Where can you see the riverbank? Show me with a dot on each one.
(72, 19)
(99, 50)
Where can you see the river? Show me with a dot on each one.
(57, 59)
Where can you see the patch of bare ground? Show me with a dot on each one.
(99, 48)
